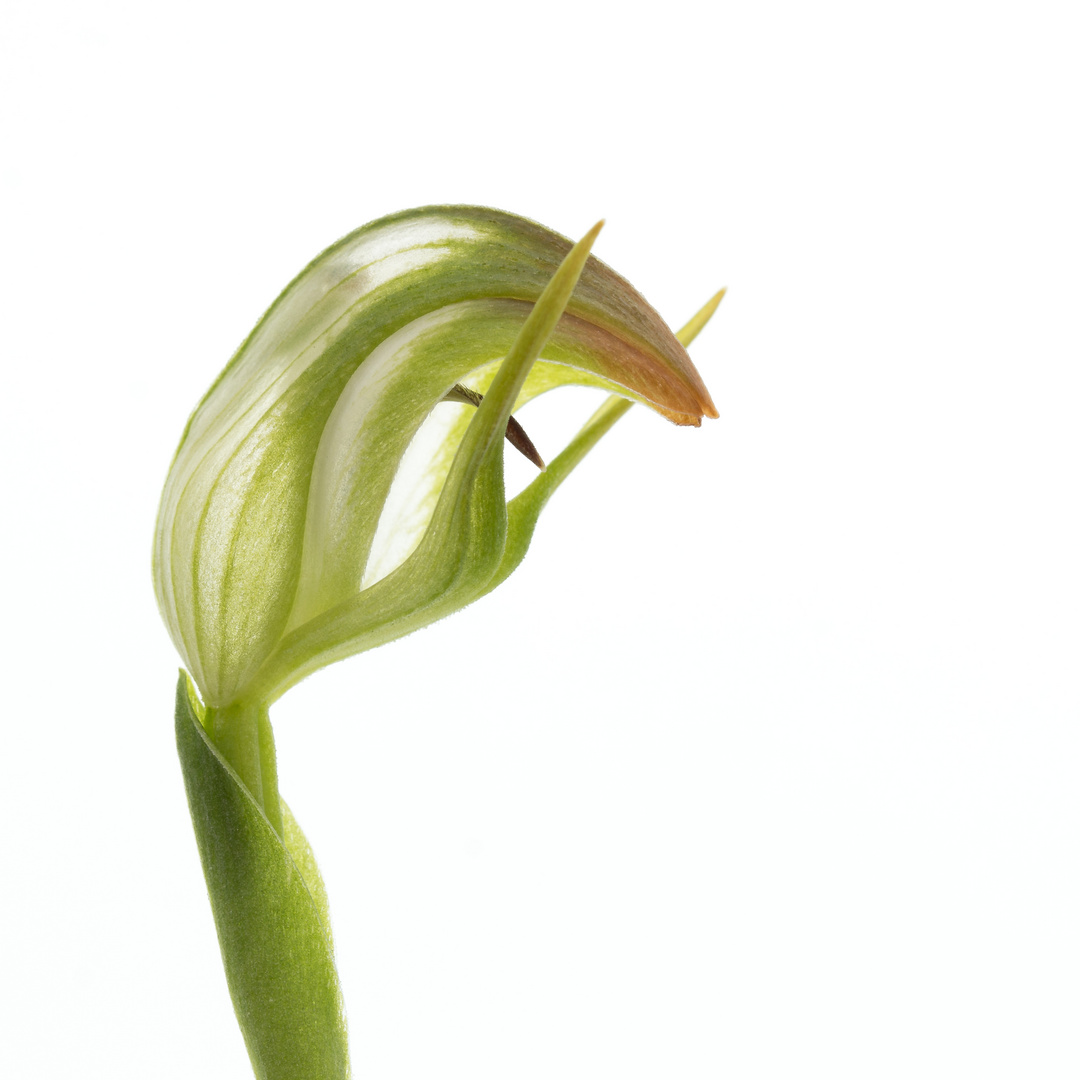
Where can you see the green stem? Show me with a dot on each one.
(242, 732)
(268, 767)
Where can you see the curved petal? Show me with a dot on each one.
(232, 567)
(361, 457)
(464, 544)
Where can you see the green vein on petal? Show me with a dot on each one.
(231, 571)
(524, 510)
(361, 461)
(463, 545)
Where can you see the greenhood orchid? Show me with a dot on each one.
(340, 485)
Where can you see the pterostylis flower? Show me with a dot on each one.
(340, 485)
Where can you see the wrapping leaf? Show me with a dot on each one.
(271, 916)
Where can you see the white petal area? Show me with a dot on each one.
(379, 243)
(345, 500)
(208, 535)
(419, 480)
(348, 443)
(278, 354)
(309, 316)
(415, 491)
(319, 305)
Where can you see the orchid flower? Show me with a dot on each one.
(327, 497)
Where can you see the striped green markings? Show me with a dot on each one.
(327, 497)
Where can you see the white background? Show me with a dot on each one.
(764, 765)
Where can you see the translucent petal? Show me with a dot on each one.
(276, 493)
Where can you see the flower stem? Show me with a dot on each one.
(242, 733)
